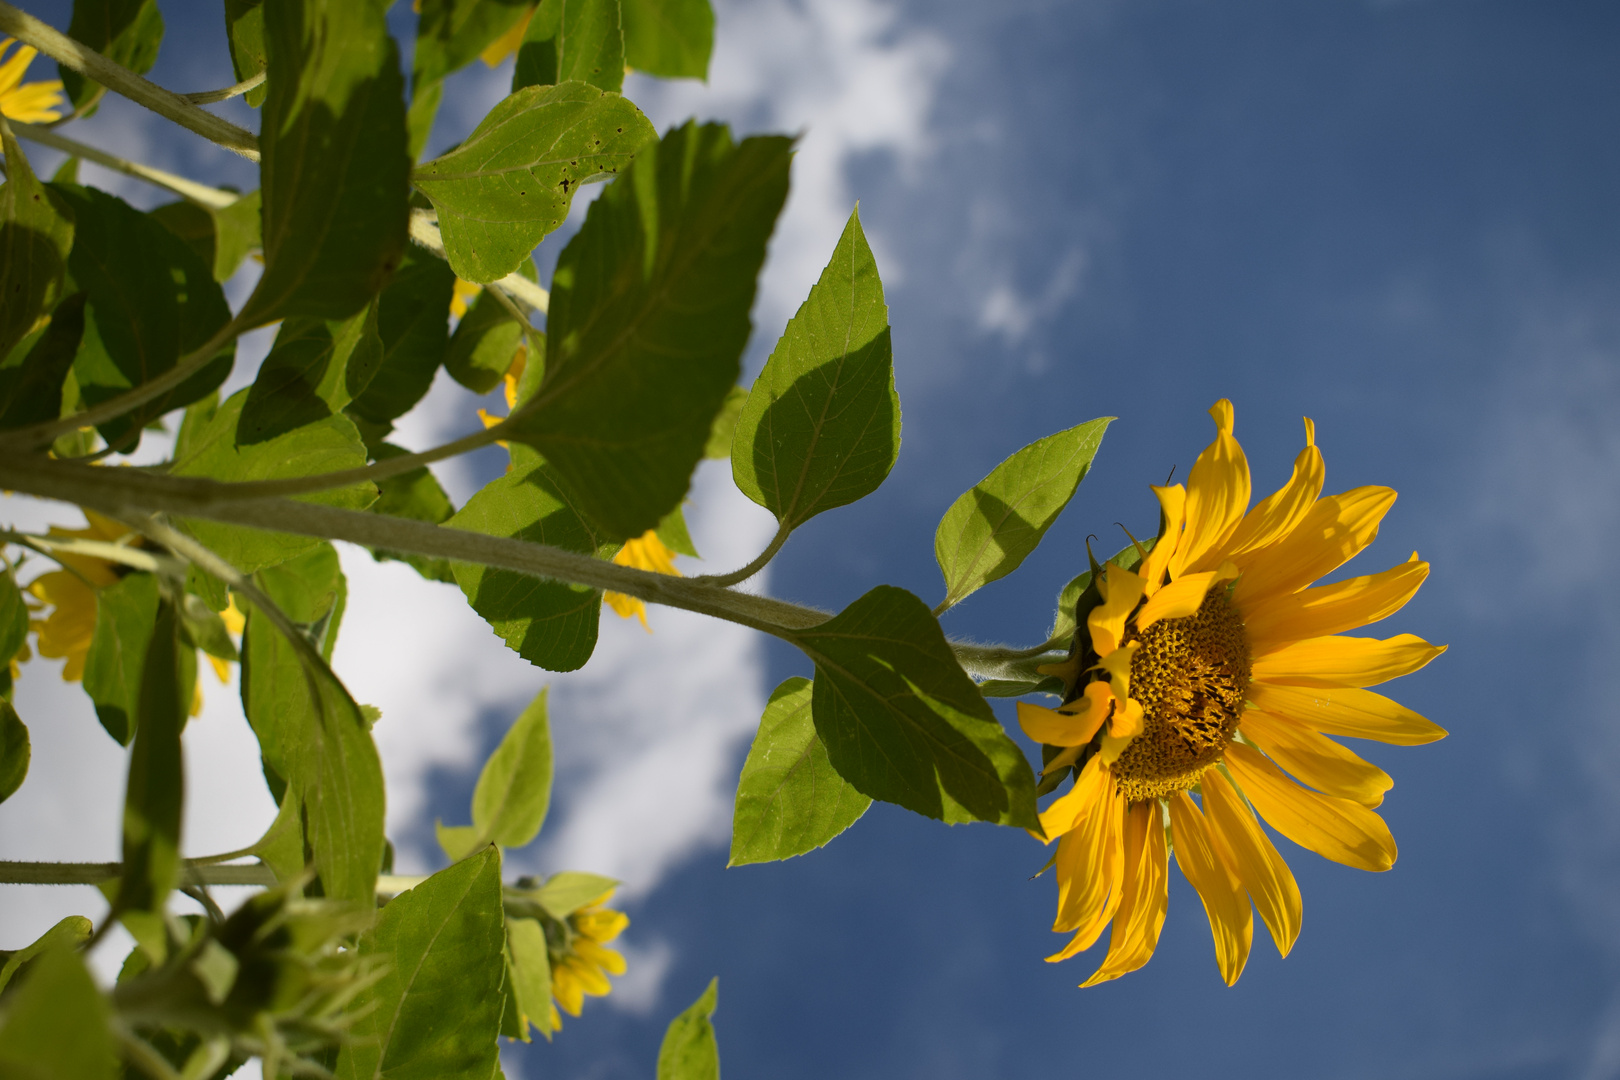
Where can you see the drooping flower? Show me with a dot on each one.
(645, 552)
(31, 103)
(1213, 668)
(581, 964)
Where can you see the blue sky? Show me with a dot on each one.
(1397, 218)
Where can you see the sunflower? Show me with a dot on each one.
(32, 103)
(581, 964)
(1209, 666)
(66, 632)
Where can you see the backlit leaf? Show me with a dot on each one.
(36, 234)
(689, 1051)
(126, 612)
(567, 892)
(70, 933)
(417, 496)
(902, 721)
(451, 34)
(313, 370)
(648, 320)
(514, 789)
(790, 800)
(821, 427)
(669, 38)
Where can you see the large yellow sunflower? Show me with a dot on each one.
(1213, 669)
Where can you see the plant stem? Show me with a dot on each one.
(210, 97)
(69, 873)
(201, 194)
(755, 566)
(86, 61)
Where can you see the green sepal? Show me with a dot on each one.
(564, 893)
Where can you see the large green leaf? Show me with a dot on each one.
(451, 33)
(436, 1012)
(55, 1024)
(126, 612)
(902, 721)
(689, 1051)
(32, 376)
(572, 39)
(155, 796)
(790, 799)
(669, 38)
(821, 426)
(244, 26)
(551, 624)
(514, 789)
(152, 300)
(216, 451)
(36, 234)
(221, 236)
(314, 737)
(994, 525)
(14, 751)
(511, 182)
(127, 32)
(566, 892)
(314, 369)
(648, 320)
(335, 173)
(413, 323)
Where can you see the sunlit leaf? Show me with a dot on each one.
(514, 789)
(572, 39)
(689, 1051)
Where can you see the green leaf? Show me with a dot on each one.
(451, 34)
(994, 525)
(70, 933)
(902, 721)
(514, 789)
(551, 624)
(790, 800)
(310, 590)
(689, 1051)
(32, 376)
(335, 173)
(313, 735)
(572, 39)
(673, 534)
(510, 183)
(484, 344)
(201, 627)
(152, 300)
(14, 751)
(126, 613)
(313, 370)
(413, 322)
(724, 428)
(457, 841)
(648, 320)
(13, 618)
(417, 496)
(436, 1011)
(222, 238)
(669, 38)
(821, 427)
(567, 892)
(244, 26)
(154, 799)
(36, 234)
(216, 451)
(56, 1023)
(529, 971)
(127, 32)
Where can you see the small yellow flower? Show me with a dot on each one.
(461, 295)
(67, 630)
(581, 965)
(1213, 668)
(32, 103)
(645, 552)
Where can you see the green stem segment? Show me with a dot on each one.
(193, 872)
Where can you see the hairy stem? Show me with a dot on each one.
(210, 97)
(91, 64)
(755, 566)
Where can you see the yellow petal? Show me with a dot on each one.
(11, 72)
(463, 292)
(1120, 590)
(627, 607)
(1336, 829)
(1145, 894)
(34, 103)
(1173, 508)
(648, 552)
(1182, 597)
(1358, 714)
(1231, 921)
(507, 43)
(1217, 496)
(1281, 512)
(1079, 803)
(1118, 666)
(1260, 869)
(221, 668)
(1332, 532)
(1056, 727)
(1315, 759)
(1332, 609)
(1127, 722)
(1344, 661)
(1089, 865)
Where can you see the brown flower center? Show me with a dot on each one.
(1191, 676)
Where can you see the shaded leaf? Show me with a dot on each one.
(576, 40)
(649, 316)
(511, 182)
(127, 32)
(70, 933)
(36, 234)
(436, 1011)
(457, 841)
(669, 38)
(14, 751)
(13, 618)
(244, 27)
(335, 174)
(56, 1023)
(413, 323)
(790, 800)
(32, 376)
(451, 34)
(689, 1051)
(202, 628)
(724, 428)
(126, 613)
(313, 370)
(222, 238)
(155, 796)
(485, 342)
(991, 528)
(514, 789)
(529, 972)
(673, 534)
(902, 721)
(551, 624)
(417, 496)
(567, 892)
(821, 427)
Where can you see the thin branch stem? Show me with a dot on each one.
(754, 567)
(86, 61)
(425, 231)
(122, 554)
(69, 873)
(201, 194)
(211, 97)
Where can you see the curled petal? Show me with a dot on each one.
(1173, 507)
(1332, 609)
(1217, 496)
(1120, 590)
(1280, 513)
(1330, 535)
(1182, 597)
(1063, 727)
